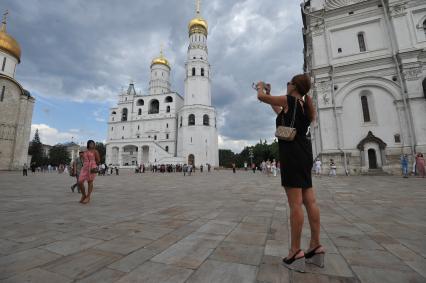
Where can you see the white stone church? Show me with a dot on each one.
(16, 106)
(163, 127)
(367, 59)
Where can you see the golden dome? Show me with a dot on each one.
(198, 25)
(8, 44)
(160, 60)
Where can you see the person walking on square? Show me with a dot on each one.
(25, 170)
(88, 172)
(333, 168)
(233, 168)
(420, 164)
(274, 167)
(404, 165)
(76, 169)
(253, 167)
(298, 159)
(318, 164)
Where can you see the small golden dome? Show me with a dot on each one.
(7, 43)
(160, 60)
(198, 25)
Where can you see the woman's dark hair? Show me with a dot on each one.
(302, 83)
(89, 142)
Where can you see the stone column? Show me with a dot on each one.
(120, 149)
(139, 157)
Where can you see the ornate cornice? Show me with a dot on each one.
(398, 10)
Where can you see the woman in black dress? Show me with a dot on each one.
(296, 164)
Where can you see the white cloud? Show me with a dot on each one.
(52, 136)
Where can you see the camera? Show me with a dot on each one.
(265, 86)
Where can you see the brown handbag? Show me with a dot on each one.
(287, 133)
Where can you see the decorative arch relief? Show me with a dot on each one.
(323, 90)
(412, 74)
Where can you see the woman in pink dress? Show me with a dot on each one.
(88, 173)
(420, 164)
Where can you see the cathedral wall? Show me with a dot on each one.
(383, 115)
(23, 131)
(328, 129)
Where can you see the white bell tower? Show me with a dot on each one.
(197, 134)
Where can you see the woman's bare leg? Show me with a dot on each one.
(83, 191)
(89, 193)
(294, 196)
(312, 209)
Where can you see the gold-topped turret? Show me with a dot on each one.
(161, 60)
(198, 24)
(7, 43)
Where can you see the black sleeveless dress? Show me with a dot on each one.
(296, 156)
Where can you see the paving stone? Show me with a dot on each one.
(376, 258)
(216, 271)
(133, 260)
(123, 245)
(21, 261)
(248, 238)
(217, 227)
(81, 264)
(71, 246)
(355, 241)
(239, 253)
(374, 275)
(152, 272)
(104, 275)
(187, 253)
(317, 278)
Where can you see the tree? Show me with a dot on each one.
(226, 157)
(59, 155)
(36, 151)
(102, 151)
(262, 151)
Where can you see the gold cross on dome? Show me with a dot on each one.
(198, 6)
(5, 16)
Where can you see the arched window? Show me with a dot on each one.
(140, 111)
(365, 108)
(168, 109)
(424, 88)
(180, 124)
(191, 120)
(154, 107)
(113, 113)
(155, 137)
(140, 102)
(167, 136)
(206, 120)
(167, 148)
(124, 114)
(361, 42)
(193, 71)
(168, 99)
(202, 72)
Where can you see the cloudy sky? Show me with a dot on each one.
(77, 55)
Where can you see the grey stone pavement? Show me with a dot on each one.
(216, 227)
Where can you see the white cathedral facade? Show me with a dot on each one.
(16, 106)
(367, 60)
(163, 127)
